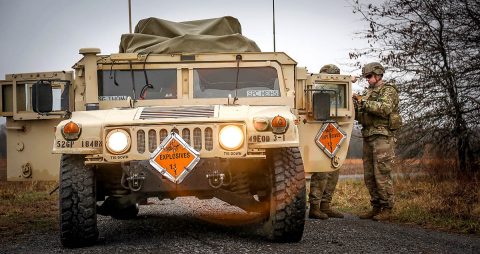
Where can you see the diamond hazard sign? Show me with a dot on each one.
(329, 138)
(174, 158)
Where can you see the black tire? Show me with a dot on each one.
(77, 203)
(287, 204)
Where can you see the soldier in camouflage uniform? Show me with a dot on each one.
(322, 185)
(377, 112)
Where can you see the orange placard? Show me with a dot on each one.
(330, 138)
(174, 158)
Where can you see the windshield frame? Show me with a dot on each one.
(281, 88)
(185, 84)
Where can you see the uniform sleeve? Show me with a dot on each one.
(384, 105)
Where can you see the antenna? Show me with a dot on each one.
(130, 15)
(273, 4)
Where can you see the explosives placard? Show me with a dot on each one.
(174, 158)
(330, 138)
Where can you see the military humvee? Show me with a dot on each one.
(233, 123)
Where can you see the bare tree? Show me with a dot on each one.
(432, 48)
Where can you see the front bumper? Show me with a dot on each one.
(207, 176)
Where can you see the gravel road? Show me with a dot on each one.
(189, 225)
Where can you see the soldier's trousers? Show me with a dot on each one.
(378, 155)
(322, 187)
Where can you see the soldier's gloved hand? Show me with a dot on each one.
(357, 100)
(356, 97)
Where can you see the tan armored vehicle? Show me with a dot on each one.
(201, 113)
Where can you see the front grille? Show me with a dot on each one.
(197, 139)
(163, 134)
(208, 139)
(140, 141)
(186, 135)
(177, 112)
(175, 130)
(202, 137)
(152, 140)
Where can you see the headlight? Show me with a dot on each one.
(118, 141)
(231, 137)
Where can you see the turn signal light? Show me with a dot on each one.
(279, 121)
(261, 124)
(279, 124)
(71, 128)
(71, 131)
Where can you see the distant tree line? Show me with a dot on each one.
(432, 51)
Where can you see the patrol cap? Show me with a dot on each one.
(373, 68)
(330, 69)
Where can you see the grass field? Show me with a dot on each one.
(352, 167)
(27, 206)
(431, 197)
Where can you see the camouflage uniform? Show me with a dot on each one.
(323, 184)
(322, 187)
(377, 108)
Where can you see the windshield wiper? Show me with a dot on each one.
(114, 74)
(147, 84)
(238, 58)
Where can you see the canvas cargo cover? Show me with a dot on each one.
(153, 35)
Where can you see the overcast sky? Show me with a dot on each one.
(45, 35)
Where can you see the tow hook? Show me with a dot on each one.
(135, 181)
(215, 179)
(134, 177)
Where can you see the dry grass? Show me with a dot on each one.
(27, 206)
(432, 199)
(355, 166)
(352, 167)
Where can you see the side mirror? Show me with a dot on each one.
(42, 98)
(321, 106)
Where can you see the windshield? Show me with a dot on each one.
(221, 82)
(337, 93)
(117, 84)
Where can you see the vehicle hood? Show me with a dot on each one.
(177, 114)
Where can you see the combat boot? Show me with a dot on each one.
(369, 215)
(384, 215)
(316, 213)
(326, 209)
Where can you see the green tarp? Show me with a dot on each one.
(153, 35)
